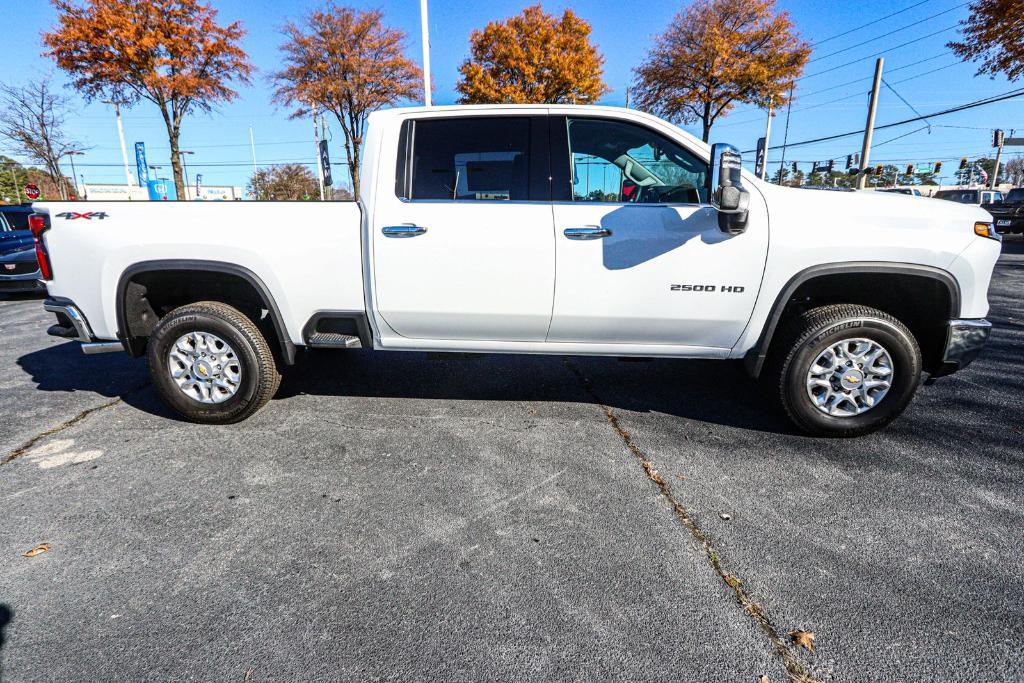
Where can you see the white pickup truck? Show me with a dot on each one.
(535, 229)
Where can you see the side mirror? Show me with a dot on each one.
(725, 189)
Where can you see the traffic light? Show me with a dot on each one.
(831, 165)
(963, 163)
(910, 169)
(794, 167)
(997, 138)
(938, 167)
(849, 161)
(879, 169)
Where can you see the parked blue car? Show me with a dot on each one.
(19, 269)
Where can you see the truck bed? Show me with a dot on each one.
(307, 254)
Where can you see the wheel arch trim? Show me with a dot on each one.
(221, 267)
(755, 358)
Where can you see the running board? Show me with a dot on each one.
(337, 330)
(333, 340)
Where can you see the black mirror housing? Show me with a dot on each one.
(725, 189)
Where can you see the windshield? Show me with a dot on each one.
(1015, 195)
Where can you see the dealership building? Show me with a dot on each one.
(159, 190)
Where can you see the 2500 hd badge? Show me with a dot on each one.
(733, 289)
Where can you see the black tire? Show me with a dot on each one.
(810, 333)
(259, 377)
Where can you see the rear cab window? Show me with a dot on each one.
(474, 158)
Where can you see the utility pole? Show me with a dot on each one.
(767, 141)
(124, 148)
(319, 163)
(74, 173)
(869, 129)
(255, 170)
(997, 139)
(17, 190)
(425, 39)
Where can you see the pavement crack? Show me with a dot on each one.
(28, 445)
(795, 669)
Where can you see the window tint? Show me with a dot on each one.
(473, 158)
(1015, 195)
(614, 161)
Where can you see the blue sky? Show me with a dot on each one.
(622, 30)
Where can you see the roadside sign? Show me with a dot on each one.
(32, 191)
(199, 186)
(140, 163)
(1013, 142)
(325, 163)
(759, 161)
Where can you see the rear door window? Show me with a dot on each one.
(480, 158)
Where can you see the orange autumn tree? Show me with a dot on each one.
(717, 53)
(994, 36)
(170, 52)
(533, 58)
(349, 63)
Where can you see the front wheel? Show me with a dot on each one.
(211, 364)
(846, 370)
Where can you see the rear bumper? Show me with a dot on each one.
(1009, 224)
(964, 341)
(72, 324)
(22, 282)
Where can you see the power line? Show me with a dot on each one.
(889, 33)
(850, 97)
(904, 101)
(870, 23)
(970, 105)
(878, 54)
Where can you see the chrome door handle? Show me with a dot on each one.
(403, 230)
(588, 233)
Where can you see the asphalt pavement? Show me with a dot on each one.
(412, 517)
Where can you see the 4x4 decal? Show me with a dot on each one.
(74, 215)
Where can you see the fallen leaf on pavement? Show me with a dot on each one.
(765, 679)
(248, 674)
(804, 639)
(39, 549)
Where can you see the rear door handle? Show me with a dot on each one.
(403, 230)
(587, 233)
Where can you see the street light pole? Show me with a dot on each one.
(184, 167)
(425, 39)
(124, 148)
(767, 142)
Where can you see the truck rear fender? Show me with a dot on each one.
(236, 285)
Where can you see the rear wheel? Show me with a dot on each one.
(846, 370)
(211, 364)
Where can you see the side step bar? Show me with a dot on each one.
(333, 340)
(337, 330)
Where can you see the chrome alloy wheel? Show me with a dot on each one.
(850, 377)
(204, 367)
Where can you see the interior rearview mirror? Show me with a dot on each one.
(725, 188)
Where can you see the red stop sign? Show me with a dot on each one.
(32, 191)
